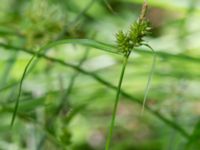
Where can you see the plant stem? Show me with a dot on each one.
(20, 90)
(108, 141)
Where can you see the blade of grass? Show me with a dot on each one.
(86, 42)
(170, 56)
(19, 93)
(113, 48)
(149, 77)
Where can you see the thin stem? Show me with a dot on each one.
(149, 78)
(85, 41)
(108, 141)
(20, 89)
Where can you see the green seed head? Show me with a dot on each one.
(138, 31)
(134, 38)
(123, 42)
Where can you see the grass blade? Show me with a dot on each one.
(86, 42)
(149, 78)
(20, 89)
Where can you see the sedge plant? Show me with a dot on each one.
(95, 45)
(126, 42)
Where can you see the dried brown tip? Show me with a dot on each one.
(143, 11)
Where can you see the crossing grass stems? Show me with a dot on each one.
(126, 43)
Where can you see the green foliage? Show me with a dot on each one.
(59, 67)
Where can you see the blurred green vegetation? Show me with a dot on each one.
(68, 92)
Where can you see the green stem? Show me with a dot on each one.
(20, 90)
(108, 141)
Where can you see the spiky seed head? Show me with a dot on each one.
(135, 36)
(123, 42)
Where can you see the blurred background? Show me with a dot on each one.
(62, 108)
